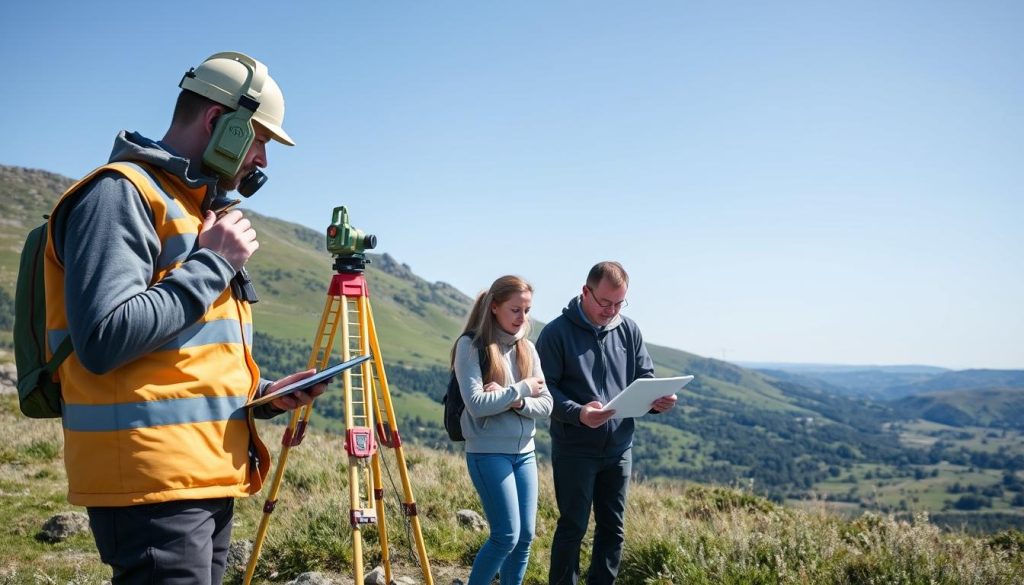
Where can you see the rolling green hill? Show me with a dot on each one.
(733, 425)
(985, 407)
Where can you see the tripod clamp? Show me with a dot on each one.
(350, 264)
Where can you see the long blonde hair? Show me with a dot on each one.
(484, 327)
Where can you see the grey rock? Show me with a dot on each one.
(375, 577)
(63, 526)
(8, 379)
(238, 556)
(312, 578)
(471, 520)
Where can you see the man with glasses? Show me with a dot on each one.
(590, 354)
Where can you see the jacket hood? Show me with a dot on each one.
(574, 313)
(134, 147)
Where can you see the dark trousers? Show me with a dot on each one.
(182, 542)
(582, 482)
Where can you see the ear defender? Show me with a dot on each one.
(236, 81)
(232, 136)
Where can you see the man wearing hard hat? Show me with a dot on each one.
(145, 271)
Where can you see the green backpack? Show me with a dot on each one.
(38, 393)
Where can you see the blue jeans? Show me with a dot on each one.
(507, 485)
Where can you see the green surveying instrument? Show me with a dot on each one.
(369, 414)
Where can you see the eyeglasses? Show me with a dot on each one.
(608, 304)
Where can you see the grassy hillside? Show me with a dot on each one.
(25, 195)
(786, 438)
(675, 532)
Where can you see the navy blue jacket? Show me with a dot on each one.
(581, 364)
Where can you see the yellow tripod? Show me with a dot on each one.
(368, 408)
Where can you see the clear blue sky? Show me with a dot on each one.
(816, 181)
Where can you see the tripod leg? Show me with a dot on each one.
(382, 525)
(353, 462)
(271, 501)
(357, 537)
(319, 357)
(395, 441)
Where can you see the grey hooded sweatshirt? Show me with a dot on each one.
(489, 423)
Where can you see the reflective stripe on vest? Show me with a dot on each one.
(155, 413)
(220, 331)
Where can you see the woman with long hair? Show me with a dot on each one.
(503, 387)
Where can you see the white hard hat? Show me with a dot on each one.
(226, 77)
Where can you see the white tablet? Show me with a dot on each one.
(321, 376)
(637, 398)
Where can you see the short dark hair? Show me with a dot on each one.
(191, 105)
(608, 270)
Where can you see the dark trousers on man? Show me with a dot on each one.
(181, 542)
(582, 482)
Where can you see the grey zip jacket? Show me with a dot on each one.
(105, 237)
(583, 363)
(489, 423)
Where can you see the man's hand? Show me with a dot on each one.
(592, 415)
(664, 403)
(300, 398)
(230, 235)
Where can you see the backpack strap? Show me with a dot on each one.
(481, 352)
(482, 357)
(59, 355)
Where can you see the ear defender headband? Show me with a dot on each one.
(233, 133)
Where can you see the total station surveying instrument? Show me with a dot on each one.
(369, 414)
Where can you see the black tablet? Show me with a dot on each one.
(321, 376)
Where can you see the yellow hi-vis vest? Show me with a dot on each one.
(170, 425)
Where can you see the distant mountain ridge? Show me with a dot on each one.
(986, 398)
(963, 380)
(813, 367)
(890, 382)
(979, 407)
